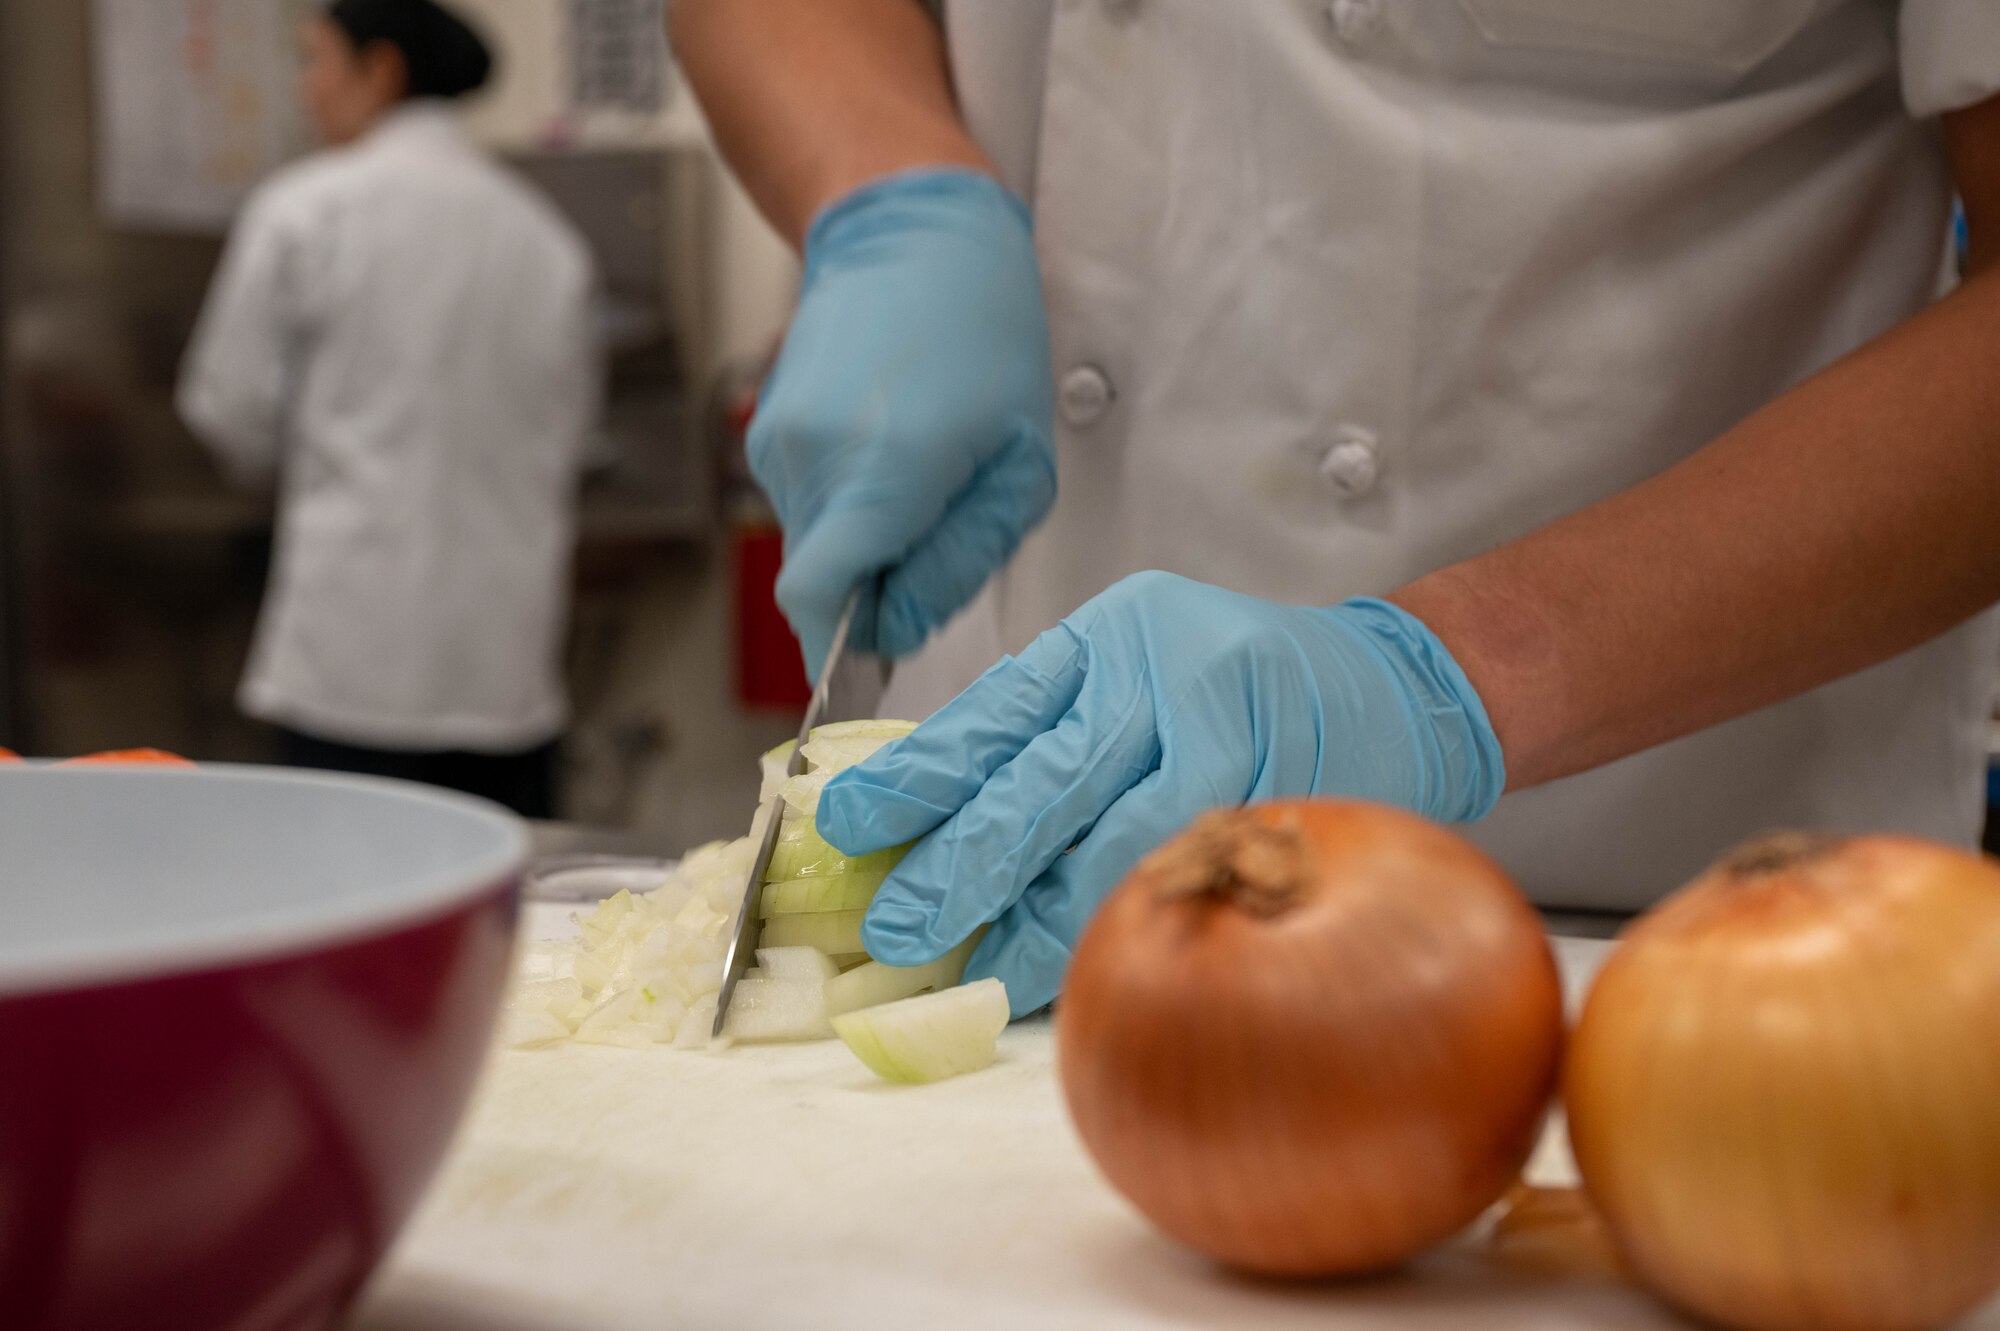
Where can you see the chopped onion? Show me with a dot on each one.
(697, 1025)
(559, 995)
(529, 1029)
(646, 966)
(633, 1017)
(545, 960)
(773, 1009)
(772, 767)
(930, 1037)
(698, 917)
(642, 965)
(796, 963)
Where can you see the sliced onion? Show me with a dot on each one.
(697, 1026)
(829, 751)
(772, 768)
(646, 966)
(819, 896)
(832, 932)
(930, 1037)
(802, 853)
(877, 983)
(641, 965)
(842, 744)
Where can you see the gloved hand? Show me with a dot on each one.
(907, 425)
(1158, 699)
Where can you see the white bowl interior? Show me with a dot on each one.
(110, 873)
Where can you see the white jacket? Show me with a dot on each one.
(1343, 291)
(400, 330)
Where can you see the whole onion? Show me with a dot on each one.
(1784, 1091)
(1311, 1037)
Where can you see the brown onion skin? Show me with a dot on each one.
(1738, 1062)
(1331, 1089)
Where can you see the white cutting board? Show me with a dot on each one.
(601, 1189)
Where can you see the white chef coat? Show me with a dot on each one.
(1345, 292)
(402, 329)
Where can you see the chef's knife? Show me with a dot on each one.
(849, 688)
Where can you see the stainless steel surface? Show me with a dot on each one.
(852, 682)
(575, 863)
(853, 687)
(582, 879)
(750, 929)
(851, 690)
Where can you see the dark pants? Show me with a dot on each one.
(524, 782)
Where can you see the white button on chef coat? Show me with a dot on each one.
(1083, 396)
(402, 330)
(1544, 249)
(1350, 464)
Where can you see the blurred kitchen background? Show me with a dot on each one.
(130, 578)
(130, 575)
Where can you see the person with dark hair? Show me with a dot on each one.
(399, 335)
(443, 56)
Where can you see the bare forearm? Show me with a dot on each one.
(809, 101)
(1848, 521)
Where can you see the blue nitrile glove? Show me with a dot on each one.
(906, 428)
(1157, 700)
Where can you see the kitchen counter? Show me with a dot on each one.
(600, 1189)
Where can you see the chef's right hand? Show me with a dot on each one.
(906, 429)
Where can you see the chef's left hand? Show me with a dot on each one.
(1158, 699)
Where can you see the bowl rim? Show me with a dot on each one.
(430, 897)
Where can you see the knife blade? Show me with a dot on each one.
(849, 687)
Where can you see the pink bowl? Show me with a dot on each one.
(240, 1014)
